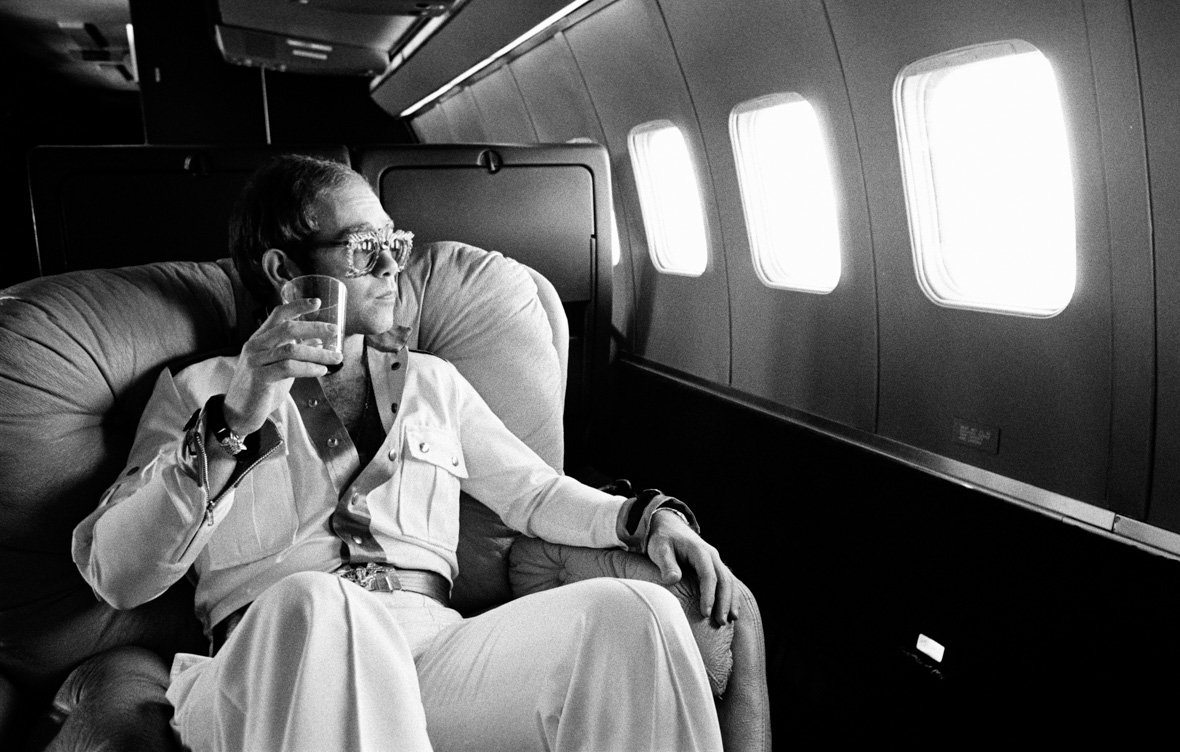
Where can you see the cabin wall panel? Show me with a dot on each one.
(466, 121)
(1157, 27)
(561, 111)
(1124, 160)
(555, 95)
(1045, 383)
(431, 126)
(632, 75)
(505, 118)
(816, 353)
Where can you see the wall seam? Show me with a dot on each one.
(724, 259)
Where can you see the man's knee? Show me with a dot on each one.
(631, 604)
(304, 600)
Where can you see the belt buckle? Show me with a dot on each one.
(373, 577)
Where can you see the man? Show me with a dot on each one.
(318, 513)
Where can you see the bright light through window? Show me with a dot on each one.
(669, 198)
(615, 251)
(786, 184)
(987, 178)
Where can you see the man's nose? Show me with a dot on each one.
(387, 262)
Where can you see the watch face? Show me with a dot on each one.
(233, 444)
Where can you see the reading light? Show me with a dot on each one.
(930, 647)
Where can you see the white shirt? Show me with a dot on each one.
(156, 522)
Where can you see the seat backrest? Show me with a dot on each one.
(100, 207)
(79, 353)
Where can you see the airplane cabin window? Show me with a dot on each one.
(615, 251)
(669, 198)
(787, 192)
(988, 183)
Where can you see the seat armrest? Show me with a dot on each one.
(745, 710)
(114, 701)
(536, 565)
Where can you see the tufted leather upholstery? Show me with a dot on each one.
(78, 354)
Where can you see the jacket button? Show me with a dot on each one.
(455, 461)
(424, 447)
(313, 402)
(393, 455)
(395, 366)
(357, 540)
(332, 442)
(393, 408)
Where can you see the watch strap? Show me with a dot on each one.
(234, 445)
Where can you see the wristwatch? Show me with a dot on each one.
(233, 444)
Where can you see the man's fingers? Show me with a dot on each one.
(291, 369)
(285, 362)
(735, 603)
(265, 341)
(307, 352)
(295, 330)
(724, 605)
(293, 309)
(660, 551)
(707, 577)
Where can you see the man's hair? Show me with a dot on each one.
(276, 210)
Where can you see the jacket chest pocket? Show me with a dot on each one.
(263, 519)
(428, 493)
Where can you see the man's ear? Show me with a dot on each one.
(278, 268)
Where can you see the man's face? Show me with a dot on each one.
(341, 212)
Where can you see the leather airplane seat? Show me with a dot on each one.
(79, 353)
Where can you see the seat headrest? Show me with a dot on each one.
(480, 311)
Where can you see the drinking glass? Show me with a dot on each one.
(333, 297)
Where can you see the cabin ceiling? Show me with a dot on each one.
(85, 42)
(75, 42)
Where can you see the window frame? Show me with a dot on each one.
(770, 262)
(665, 260)
(911, 90)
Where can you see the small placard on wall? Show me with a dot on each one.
(977, 436)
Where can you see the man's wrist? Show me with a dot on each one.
(636, 515)
(670, 510)
(234, 420)
(237, 445)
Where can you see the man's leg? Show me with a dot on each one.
(603, 665)
(315, 664)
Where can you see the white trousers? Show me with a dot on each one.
(319, 664)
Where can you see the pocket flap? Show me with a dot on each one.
(436, 446)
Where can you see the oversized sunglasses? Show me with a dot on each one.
(363, 248)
